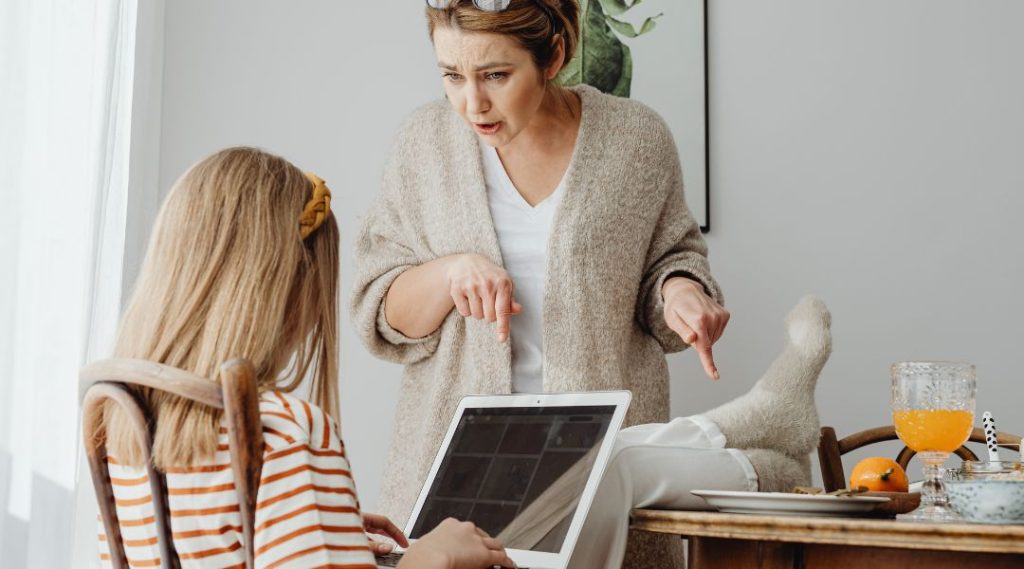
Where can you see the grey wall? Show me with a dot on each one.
(867, 152)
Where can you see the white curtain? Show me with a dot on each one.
(65, 111)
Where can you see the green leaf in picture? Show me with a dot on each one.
(622, 88)
(601, 60)
(617, 7)
(628, 30)
(572, 73)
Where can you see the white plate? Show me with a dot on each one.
(786, 504)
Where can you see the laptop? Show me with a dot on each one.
(522, 467)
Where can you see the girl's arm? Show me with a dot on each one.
(456, 545)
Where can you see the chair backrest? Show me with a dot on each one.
(831, 449)
(236, 394)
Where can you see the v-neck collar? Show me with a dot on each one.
(508, 187)
(471, 182)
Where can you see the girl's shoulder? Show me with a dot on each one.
(289, 421)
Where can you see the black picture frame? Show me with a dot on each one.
(706, 226)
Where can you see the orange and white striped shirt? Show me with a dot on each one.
(307, 514)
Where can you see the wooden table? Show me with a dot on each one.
(727, 541)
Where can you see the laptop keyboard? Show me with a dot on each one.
(389, 560)
(392, 559)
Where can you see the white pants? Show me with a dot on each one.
(656, 466)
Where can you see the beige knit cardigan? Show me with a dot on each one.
(622, 227)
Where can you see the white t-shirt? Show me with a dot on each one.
(523, 239)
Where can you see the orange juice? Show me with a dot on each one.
(931, 430)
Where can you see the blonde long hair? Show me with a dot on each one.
(228, 275)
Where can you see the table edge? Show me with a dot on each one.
(835, 531)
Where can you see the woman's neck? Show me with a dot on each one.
(553, 127)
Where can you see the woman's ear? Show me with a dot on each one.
(557, 58)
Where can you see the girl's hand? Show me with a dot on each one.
(381, 525)
(456, 545)
(482, 289)
(696, 317)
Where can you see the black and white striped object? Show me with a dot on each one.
(990, 436)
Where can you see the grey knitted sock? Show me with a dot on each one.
(779, 411)
(778, 472)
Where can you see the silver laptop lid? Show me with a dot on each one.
(523, 468)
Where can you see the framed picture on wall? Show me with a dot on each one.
(655, 51)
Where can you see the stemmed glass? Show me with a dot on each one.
(933, 411)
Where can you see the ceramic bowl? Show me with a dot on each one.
(983, 469)
(988, 501)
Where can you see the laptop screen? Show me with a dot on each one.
(517, 473)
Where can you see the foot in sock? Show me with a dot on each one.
(778, 472)
(779, 411)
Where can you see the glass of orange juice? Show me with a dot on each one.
(933, 411)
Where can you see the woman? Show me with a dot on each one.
(243, 262)
(520, 210)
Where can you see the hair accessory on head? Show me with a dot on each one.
(490, 6)
(485, 5)
(317, 208)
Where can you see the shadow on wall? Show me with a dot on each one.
(45, 542)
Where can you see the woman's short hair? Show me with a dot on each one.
(533, 23)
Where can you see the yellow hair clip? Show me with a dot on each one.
(317, 208)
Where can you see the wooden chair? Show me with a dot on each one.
(237, 395)
(831, 449)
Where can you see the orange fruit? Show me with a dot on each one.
(879, 474)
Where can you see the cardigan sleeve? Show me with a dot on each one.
(677, 247)
(383, 250)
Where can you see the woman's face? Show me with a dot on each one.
(491, 81)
